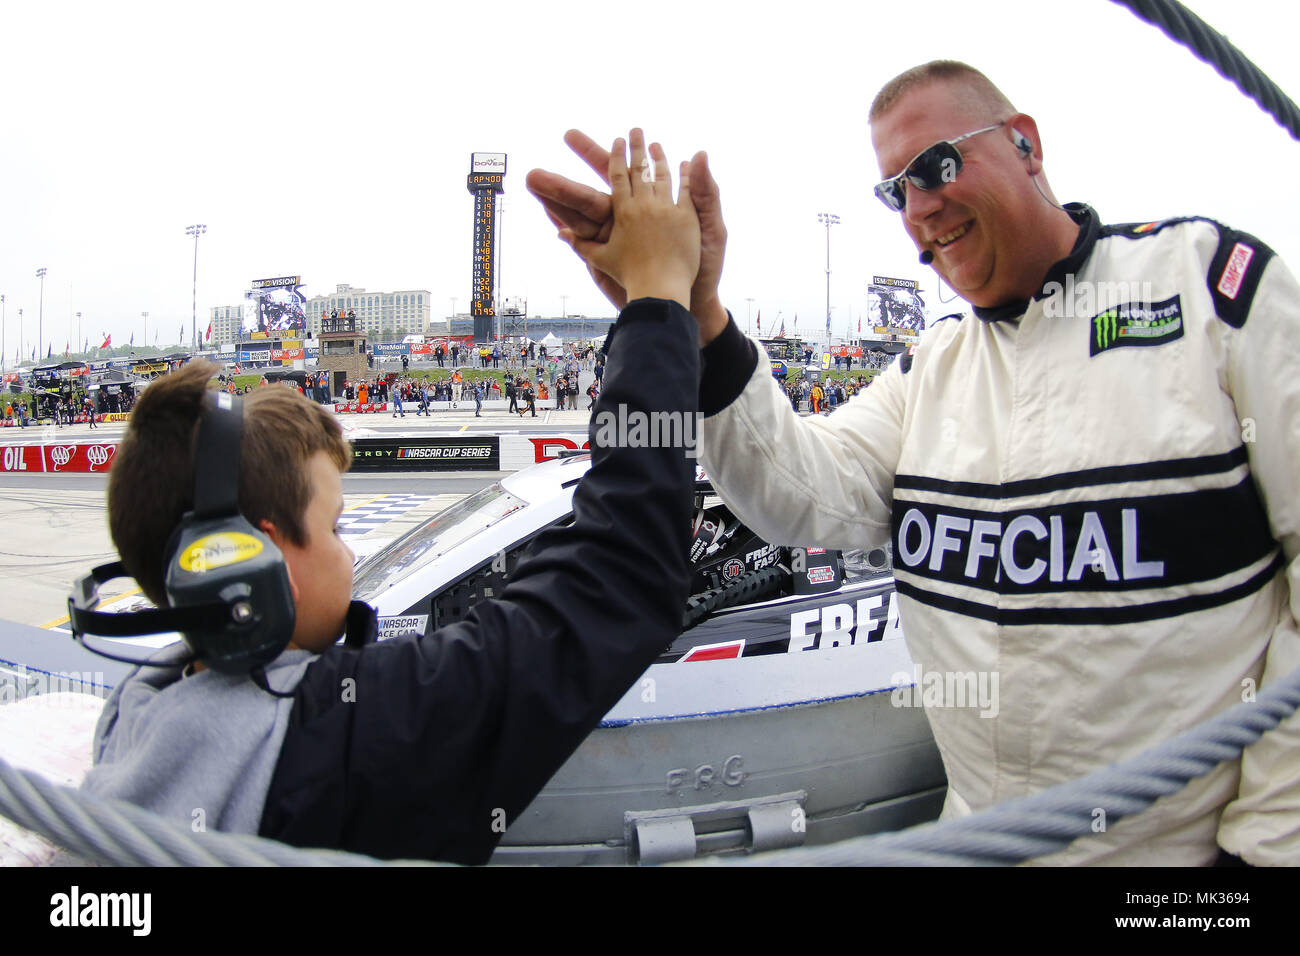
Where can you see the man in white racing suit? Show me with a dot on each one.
(1090, 482)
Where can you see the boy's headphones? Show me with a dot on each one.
(1021, 142)
(227, 586)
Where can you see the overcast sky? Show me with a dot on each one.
(332, 140)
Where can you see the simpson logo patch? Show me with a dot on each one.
(1234, 273)
(1136, 323)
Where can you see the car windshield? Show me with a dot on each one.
(434, 538)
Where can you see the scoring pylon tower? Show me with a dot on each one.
(487, 173)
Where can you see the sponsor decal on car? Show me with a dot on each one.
(725, 651)
(845, 625)
(763, 557)
(734, 568)
(407, 624)
(821, 575)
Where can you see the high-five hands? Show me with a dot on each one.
(649, 246)
(589, 214)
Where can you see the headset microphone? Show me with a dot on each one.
(927, 257)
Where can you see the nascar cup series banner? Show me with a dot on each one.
(462, 453)
(479, 453)
(399, 453)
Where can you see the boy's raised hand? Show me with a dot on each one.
(653, 248)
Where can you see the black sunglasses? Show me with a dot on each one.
(930, 169)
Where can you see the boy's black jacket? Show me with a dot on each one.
(441, 734)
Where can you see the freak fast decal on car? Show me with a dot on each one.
(865, 621)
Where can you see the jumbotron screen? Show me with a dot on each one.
(895, 305)
(274, 305)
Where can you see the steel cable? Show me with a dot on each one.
(1182, 26)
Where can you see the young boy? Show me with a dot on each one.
(417, 746)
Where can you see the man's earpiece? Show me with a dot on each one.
(1026, 149)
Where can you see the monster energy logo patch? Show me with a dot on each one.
(1137, 323)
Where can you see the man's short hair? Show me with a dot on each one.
(968, 83)
(151, 484)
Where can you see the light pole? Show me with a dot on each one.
(195, 231)
(830, 219)
(2, 332)
(79, 331)
(749, 324)
(145, 343)
(449, 318)
(20, 336)
(40, 322)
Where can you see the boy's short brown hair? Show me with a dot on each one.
(151, 484)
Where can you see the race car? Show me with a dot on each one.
(781, 716)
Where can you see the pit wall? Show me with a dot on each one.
(396, 453)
